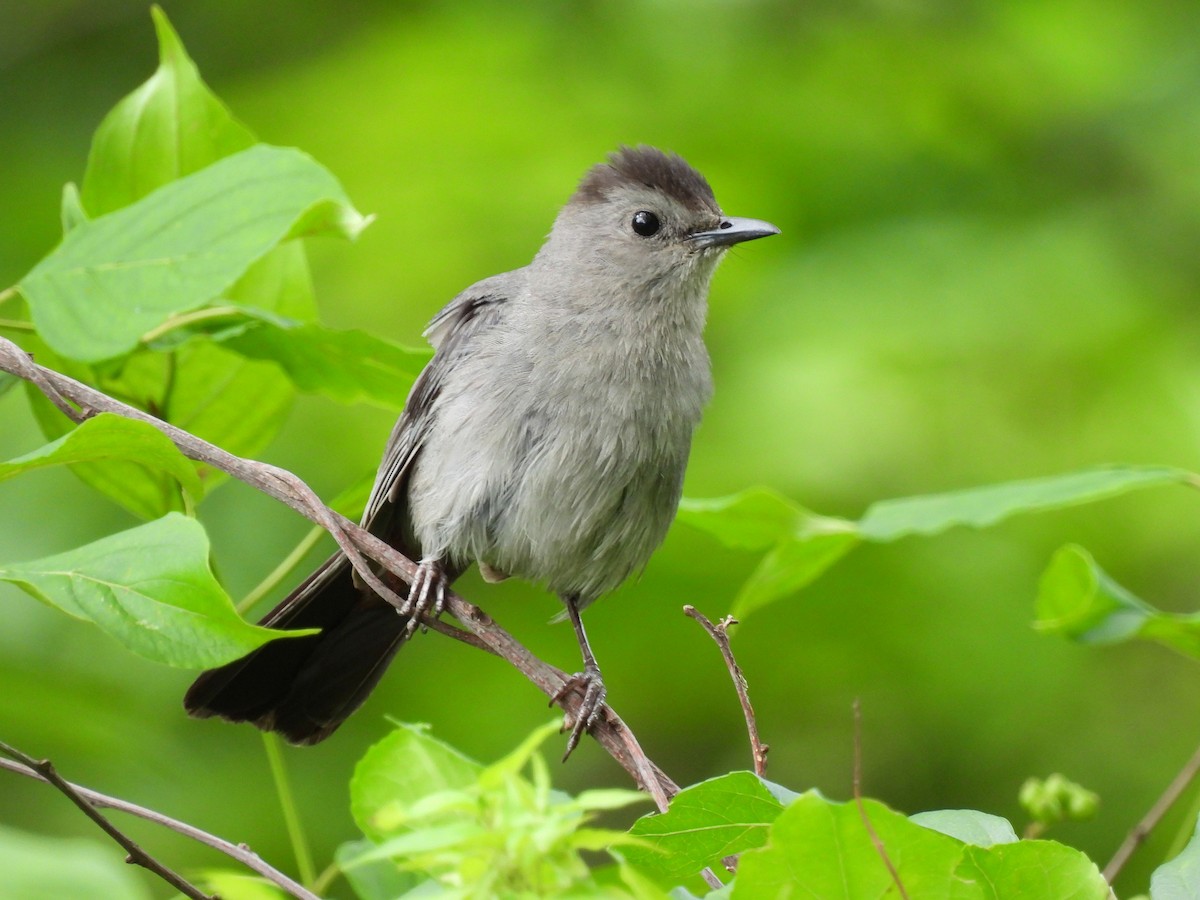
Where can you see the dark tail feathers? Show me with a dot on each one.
(304, 688)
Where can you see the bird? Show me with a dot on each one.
(545, 440)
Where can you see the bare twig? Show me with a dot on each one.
(239, 852)
(862, 807)
(1142, 829)
(44, 771)
(609, 731)
(720, 634)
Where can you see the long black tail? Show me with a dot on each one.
(304, 688)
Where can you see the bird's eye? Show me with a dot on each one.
(645, 223)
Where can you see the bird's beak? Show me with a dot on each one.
(732, 231)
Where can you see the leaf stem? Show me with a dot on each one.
(189, 318)
(16, 325)
(291, 815)
(281, 571)
(9, 292)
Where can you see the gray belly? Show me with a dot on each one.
(577, 502)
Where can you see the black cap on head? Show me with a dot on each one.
(647, 166)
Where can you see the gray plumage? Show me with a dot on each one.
(547, 439)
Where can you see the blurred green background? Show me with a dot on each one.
(988, 270)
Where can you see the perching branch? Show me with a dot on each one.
(720, 634)
(92, 801)
(359, 545)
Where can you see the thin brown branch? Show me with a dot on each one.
(720, 634)
(43, 770)
(862, 807)
(610, 731)
(239, 852)
(1137, 836)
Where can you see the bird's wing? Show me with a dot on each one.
(451, 332)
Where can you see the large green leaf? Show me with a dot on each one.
(170, 126)
(109, 436)
(406, 766)
(150, 588)
(822, 849)
(1078, 599)
(348, 366)
(115, 277)
(705, 823)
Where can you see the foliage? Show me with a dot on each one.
(181, 285)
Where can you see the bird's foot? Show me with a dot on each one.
(591, 686)
(426, 594)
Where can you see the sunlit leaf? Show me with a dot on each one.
(150, 588)
(404, 767)
(115, 277)
(169, 127)
(823, 849)
(968, 825)
(109, 436)
(705, 823)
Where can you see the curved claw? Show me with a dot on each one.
(426, 594)
(587, 713)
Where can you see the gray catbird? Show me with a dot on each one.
(547, 439)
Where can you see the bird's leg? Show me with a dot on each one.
(589, 682)
(426, 594)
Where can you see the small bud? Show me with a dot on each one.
(1057, 799)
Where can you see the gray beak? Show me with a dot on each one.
(732, 231)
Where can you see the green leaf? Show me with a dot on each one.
(171, 126)
(46, 867)
(7, 382)
(982, 507)
(115, 277)
(793, 564)
(380, 880)
(401, 769)
(754, 519)
(229, 885)
(1179, 879)
(822, 849)
(1077, 599)
(968, 825)
(215, 394)
(71, 210)
(150, 588)
(802, 544)
(705, 823)
(109, 436)
(348, 366)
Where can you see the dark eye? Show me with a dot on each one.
(645, 223)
